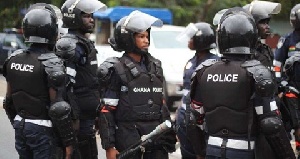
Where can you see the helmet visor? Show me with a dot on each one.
(189, 31)
(87, 6)
(139, 22)
(263, 8)
(218, 16)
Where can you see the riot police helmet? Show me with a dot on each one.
(295, 17)
(262, 10)
(128, 26)
(202, 34)
(73, 9)
(39, 25)
(237, 32)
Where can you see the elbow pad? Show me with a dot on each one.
(60, 114)
(272, 127)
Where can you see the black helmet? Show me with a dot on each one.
(202, 33)
(72, 9)
(135, 22)
(295, 17)
(236, 32)
(39, 25)
(205, 37)
(262, 10)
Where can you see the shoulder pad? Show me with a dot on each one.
(264, 81)
(51, 62)
(15, 53)
(250, 63)
(205, 63)
(20, 51)
(105, 69)
(290, 61)
(46, 56)
(65, 47)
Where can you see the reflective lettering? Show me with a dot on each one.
(222, 77)
(157, 89)
(142, 89)
(69, 15)
(21, 67)
(146, 90)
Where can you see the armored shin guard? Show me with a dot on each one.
(60, 113)
(277, 137)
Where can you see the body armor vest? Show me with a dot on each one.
(141, 93)
(233, 108)
(28, 80)
(265, 55)
(86, 79)
(86, 74)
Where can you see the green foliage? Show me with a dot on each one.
(184, 11)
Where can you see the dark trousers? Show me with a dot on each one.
(187, 151)
(34, 141)
(87, 144)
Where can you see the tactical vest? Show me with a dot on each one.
(141, 93)
(233, 109)
(265, 55)
(86, 79)
(28, 80)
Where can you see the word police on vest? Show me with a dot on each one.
(22, 67)
(222, 77)
(143, 89)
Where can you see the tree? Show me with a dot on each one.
(184, 11)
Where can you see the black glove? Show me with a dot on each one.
(167, 141)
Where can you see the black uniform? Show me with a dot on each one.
(35, 90)
(80, 58)
(133, 93)
(244, 103)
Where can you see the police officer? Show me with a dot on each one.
(262, 12)
(80, 58)
(133, 97)
(201, 38)
(236, 94)
(286, 69)
(35, 84)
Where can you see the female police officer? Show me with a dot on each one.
(132, 96)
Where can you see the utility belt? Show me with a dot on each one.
(230, 143)
(46, 123)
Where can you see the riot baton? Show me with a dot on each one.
(145, 140)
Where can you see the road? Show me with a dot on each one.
(7, 149)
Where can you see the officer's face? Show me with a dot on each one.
(263, 28)
(191, 44)
(142, 40)
(88, 23)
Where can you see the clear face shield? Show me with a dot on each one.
(138, 22)
(87, 6)
(189, 31)
(263, 9)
